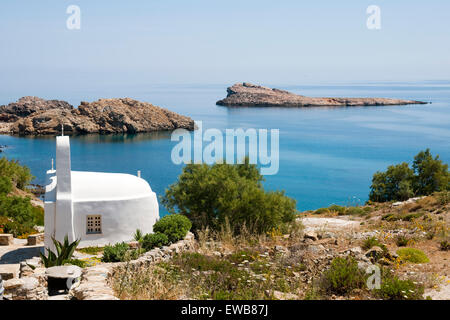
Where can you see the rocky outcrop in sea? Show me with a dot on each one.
(36, 116)
(250, 95)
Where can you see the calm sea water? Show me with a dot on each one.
(327, 155)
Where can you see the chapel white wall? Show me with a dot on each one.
(120, 219)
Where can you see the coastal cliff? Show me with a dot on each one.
(36, 116)
(250, 95)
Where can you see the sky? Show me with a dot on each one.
(221, 42)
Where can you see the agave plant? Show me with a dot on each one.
(138, 235)
(64, 252)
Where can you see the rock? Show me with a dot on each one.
(328, 235)
(310, 235)
(281, 249)
(9, 271)
(12, 284)
(6, 239)
(281, 295)
(375, 253)
(247, 94)
(133, 244)
(63, 272)
(356, 251)
(26, 106)
(316, 248)
(124, 115)
(35, 239)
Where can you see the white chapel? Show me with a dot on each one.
(97, 208)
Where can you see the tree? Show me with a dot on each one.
(394, 184)
(19, 175)
(211, 196)
(400, 182)
(431, 174)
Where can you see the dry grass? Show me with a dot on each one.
(224, 266)
(152, 283)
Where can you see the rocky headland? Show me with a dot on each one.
(250, 95)
(36, 116)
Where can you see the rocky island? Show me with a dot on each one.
(250, 95)
(36, 116)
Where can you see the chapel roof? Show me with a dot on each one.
(91, 186)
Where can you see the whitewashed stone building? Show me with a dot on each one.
(97, 208)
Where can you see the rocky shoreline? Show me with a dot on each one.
(36, 116)
(250, 95)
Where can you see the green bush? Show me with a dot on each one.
(154, 240)
(356, 211)
(336, 208)
(444, 245)
(91, 250)
(400, 182)
(401, 241)
(17, 229)
(115, 253)
(412, 255)
(392, 288)
(343, 276)
(23, 215)
(372, 242)
(322, 210)
(174, 226)
(75, 262)
(444, 197)
(20, 176)
(212, 196)
(5, 185)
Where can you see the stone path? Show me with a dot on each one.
(19, 252)
(328, 224)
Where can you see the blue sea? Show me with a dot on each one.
(327, 155)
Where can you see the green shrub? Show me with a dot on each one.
(336, 208)
(444, 245)
(392, 288)
(91, 250)
(17, 229)
(23, 215)
(76, 262)
(212, 195)
(154, 240)
(138, 236)
(5, 185)
(412, 255)
(444, 197)
(322, 210)
(174, 226)
(372, 242)
(355, 211)
(115, 253)
(411, 216)
(401, 241)
(343, 276)
(64, 252)
(20, 176)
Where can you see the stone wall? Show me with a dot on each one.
(6, 239)
(33, 287)
(94, 284)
